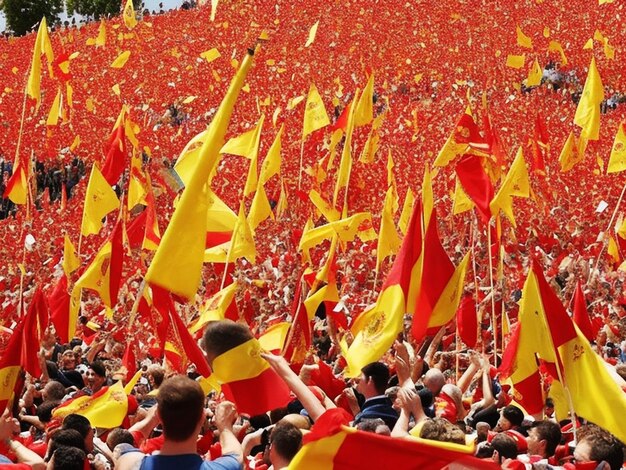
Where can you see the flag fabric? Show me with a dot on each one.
(515, 183)
(260, 209)
(388, 239)
(587, 114)
(273, 339)
(100, 199)
(360, 224)
(462, 202)
(522, 39)
(617, 160)
(441, 284)
(466, 135)
(570, 154)
(581, 316)
(380, 325)
(137, 184)
(312, 33)
(476, 184)
(71, 262)
(152, 234)
(535, 74)
(42, 46)
(218, 307)
(35, 321)
(221, 221)
(10, 368)
(364, 111)
(177, 263)
(115, 151)
(332, 445)
(324, 207)
(105, 409)
(515, 61)
(129, 15)
(467, 321)
(345, 165)
(17, 186)
(407, 209)
(300, 337)
(271, 164)
(104, 274)
(59, 303)
(249, 381)
(428, 199)
(315, 116)
(240, 245)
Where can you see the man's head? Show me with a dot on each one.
(543, 438)
(374, 378)
(96, 376)
(597, 445)
(53, 391)
(83, 426)
(68, 360)
(224, 335)
(181, 408)
(504, 447)
(67, 458)
(434, 381)
(511, 417)
(285, 442)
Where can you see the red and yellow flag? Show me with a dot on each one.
(105, 409)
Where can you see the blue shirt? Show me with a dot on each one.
(189, 462)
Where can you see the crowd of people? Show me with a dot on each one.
(430, 61)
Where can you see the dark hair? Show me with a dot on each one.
(98, 368)
(119, 436)
(181, 405)
(77, 422)
(55, 390)
(513, 414)
(370, 425)
(66, 438)
(44, 411)
(286, 440)
(221, 336)
(379, 373)
(69, 458)
(603, 445)
(505, 445)
(440, 429)
(550, 431)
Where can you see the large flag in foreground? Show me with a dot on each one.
(177, 263)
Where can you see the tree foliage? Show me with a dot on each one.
(95, 9)
(23, 15)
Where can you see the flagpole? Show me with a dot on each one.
(230, 250)
(473, 242)
(619, 201)
(293, 320)
(494, 323)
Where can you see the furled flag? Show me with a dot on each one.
(364, 111)
(177, 263)
(515, 183)
(35, 321)
(476, 184)
(465, 135)
(345, 166)
(120, 60)
(42, 46)
(581, 316)
(535, 74)
(71, 262)
(315, 116)
(100, 199)
(101, 39)
(617, 161)
(17, 186)
(260, 209)
(312, 33)
(570, 155)
(462, 202)
(588, 111)
(271, 164)
(129, 15)
(407, 209)
(59, 302)
(522, 39)
(115, 150)
(381, 324)
(441, 285)
(388, 239)
(10, 368)
(584, 372)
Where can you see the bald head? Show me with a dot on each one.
(434, 381)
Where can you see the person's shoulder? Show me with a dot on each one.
(225, 462)
(127, 457)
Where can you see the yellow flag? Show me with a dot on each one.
(211, 55)
(96, 276)
(588, 44)
(121, 59)
(462, 202)
(364, 112)
(214, 309)
(260, 208)
(515, 183)
(326, 209)
(570, 155)
(588, 111)
(312, 33)
(407, 210)
(252, 178)
(388, 239)
(103, 410)
(271, 164)
(534, 75)
(100, 199)
(137, 183)
(448, 302)
(129, 15)
(428, 200)
(42, 46)
(177, 263)
(613, 250)
(360, 224)
(515, 61)
(53, 116)
(556, 47)
(281, 205)
(101, 40)
(274, 337)
(345, 166)
(315, 116)
(70, 260)
(522, 39)
(243, 240)
(617, 161)
(246, 144)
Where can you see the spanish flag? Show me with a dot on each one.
(249, 381)
(333, 445)
(10, 368)
(105, 409)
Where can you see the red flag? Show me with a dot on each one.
(135, 230)
(467, 321)
(10, 367)
(59, 302)
(581, 316)
(300, 333)
(476, 184)
(129, 360)
(115, 150)
(35, 321)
